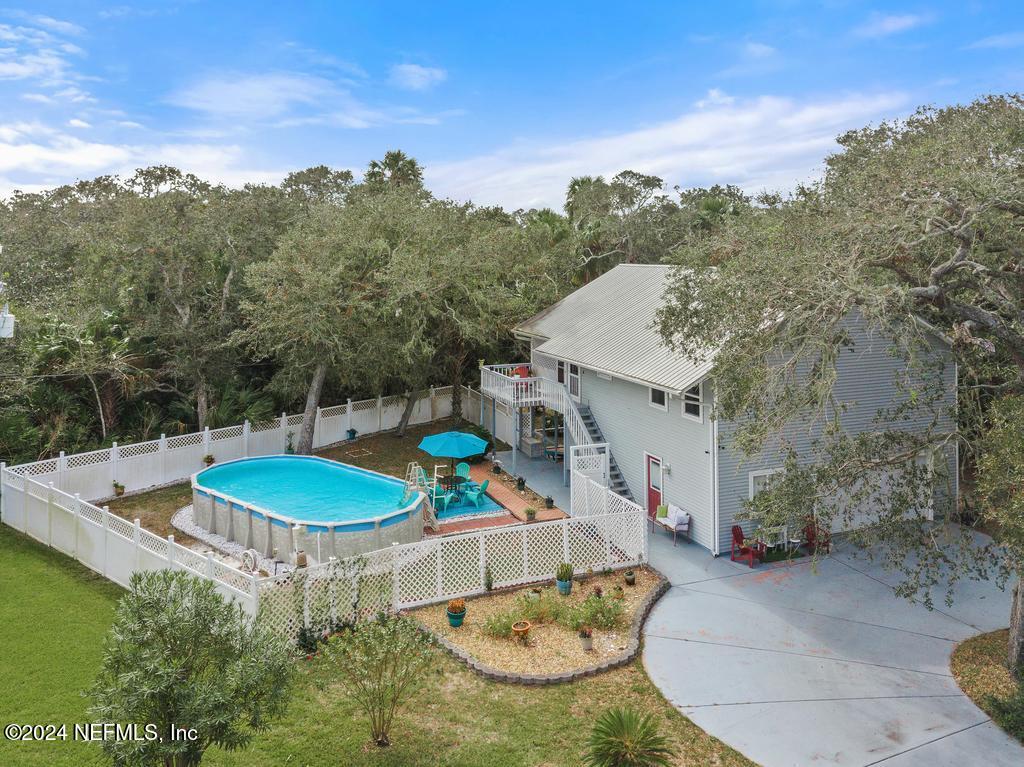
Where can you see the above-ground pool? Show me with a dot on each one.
(291, 502)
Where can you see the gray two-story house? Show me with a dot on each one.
(597, 359)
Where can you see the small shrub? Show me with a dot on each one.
(308, 640)
(598, 591)
(456, 606)
(382, 662)
(531, 513)
(624, 738)
(586, 632)
(488, 578)
(599, 612)
(564, 572)
(499, 625)
(547, 608)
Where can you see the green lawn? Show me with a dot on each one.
(54, 613)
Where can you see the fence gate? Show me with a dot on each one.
(592, 461)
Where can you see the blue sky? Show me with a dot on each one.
(502, 103)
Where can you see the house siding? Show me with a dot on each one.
(865, 383)
(632, 427)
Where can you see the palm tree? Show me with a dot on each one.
(396, 169)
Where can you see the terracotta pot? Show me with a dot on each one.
(520, 629)
(119, 491)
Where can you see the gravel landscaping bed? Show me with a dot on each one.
(553, 652)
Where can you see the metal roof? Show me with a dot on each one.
(608, 325)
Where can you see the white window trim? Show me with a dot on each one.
(699, 418)
(652, 403)
(759, 473)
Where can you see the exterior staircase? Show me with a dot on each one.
(615, 479)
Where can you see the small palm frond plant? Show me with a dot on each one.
(624, 738)
(564, 572)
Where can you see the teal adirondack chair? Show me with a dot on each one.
(441, 498)
(477, 494)
(462, 470)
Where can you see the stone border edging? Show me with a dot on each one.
(632, 649)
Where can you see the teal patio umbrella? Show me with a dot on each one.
(453, 444)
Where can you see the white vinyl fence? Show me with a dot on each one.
(108, 544)
(144, 465)
(438, 569)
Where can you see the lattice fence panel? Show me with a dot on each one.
(135, 449)
(334, 411)
(226, 433)
(460, 565)
(184, 440)
(587, 544)
(417, 573)
(503, 552)
(544, 550)
(87, 459)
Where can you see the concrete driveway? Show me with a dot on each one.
(795, 667)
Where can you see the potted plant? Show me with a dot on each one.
(351, 434)
(520, 483)
(520, 629)
(563, 579)
(208, 459)
(618, 593)
(533, 594)
(496, 469)
(549, 502)
(456, 612)
(531, 514)
(630, 577)
(118, 489)
(586, 635)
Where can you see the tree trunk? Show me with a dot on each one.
(1016, 649)
(457, 394)
(305, 446)
(99, 407)
(410, 405)
(202, 404)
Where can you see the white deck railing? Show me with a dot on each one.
(498, 382)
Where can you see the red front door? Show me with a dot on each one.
(653, 484)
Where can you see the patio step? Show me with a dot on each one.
(615, 479)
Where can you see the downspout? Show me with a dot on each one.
(714, 485)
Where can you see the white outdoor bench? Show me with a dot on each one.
(676, 521)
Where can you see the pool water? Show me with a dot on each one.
(307, 488)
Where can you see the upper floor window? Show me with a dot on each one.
(691, 403)
(561, 372)
(658, 399)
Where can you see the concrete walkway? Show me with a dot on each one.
(795, 667)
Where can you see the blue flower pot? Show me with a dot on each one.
(455, 619)
(564, 587)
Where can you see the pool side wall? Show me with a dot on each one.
(253, 530)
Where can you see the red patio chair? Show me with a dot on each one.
(817, 538)
(741, 550)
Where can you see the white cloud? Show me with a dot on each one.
(1005, 40)
(258, 96)
(34, 156)
(59, 26)
(76, 123)
(714, 98)
(758, 50)
(413, 77)
(763, 143)
(883, 25)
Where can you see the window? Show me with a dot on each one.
(561, 372)
(691, 403)
(762, 480)
(659, 399)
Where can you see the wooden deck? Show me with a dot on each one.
(516, 503)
